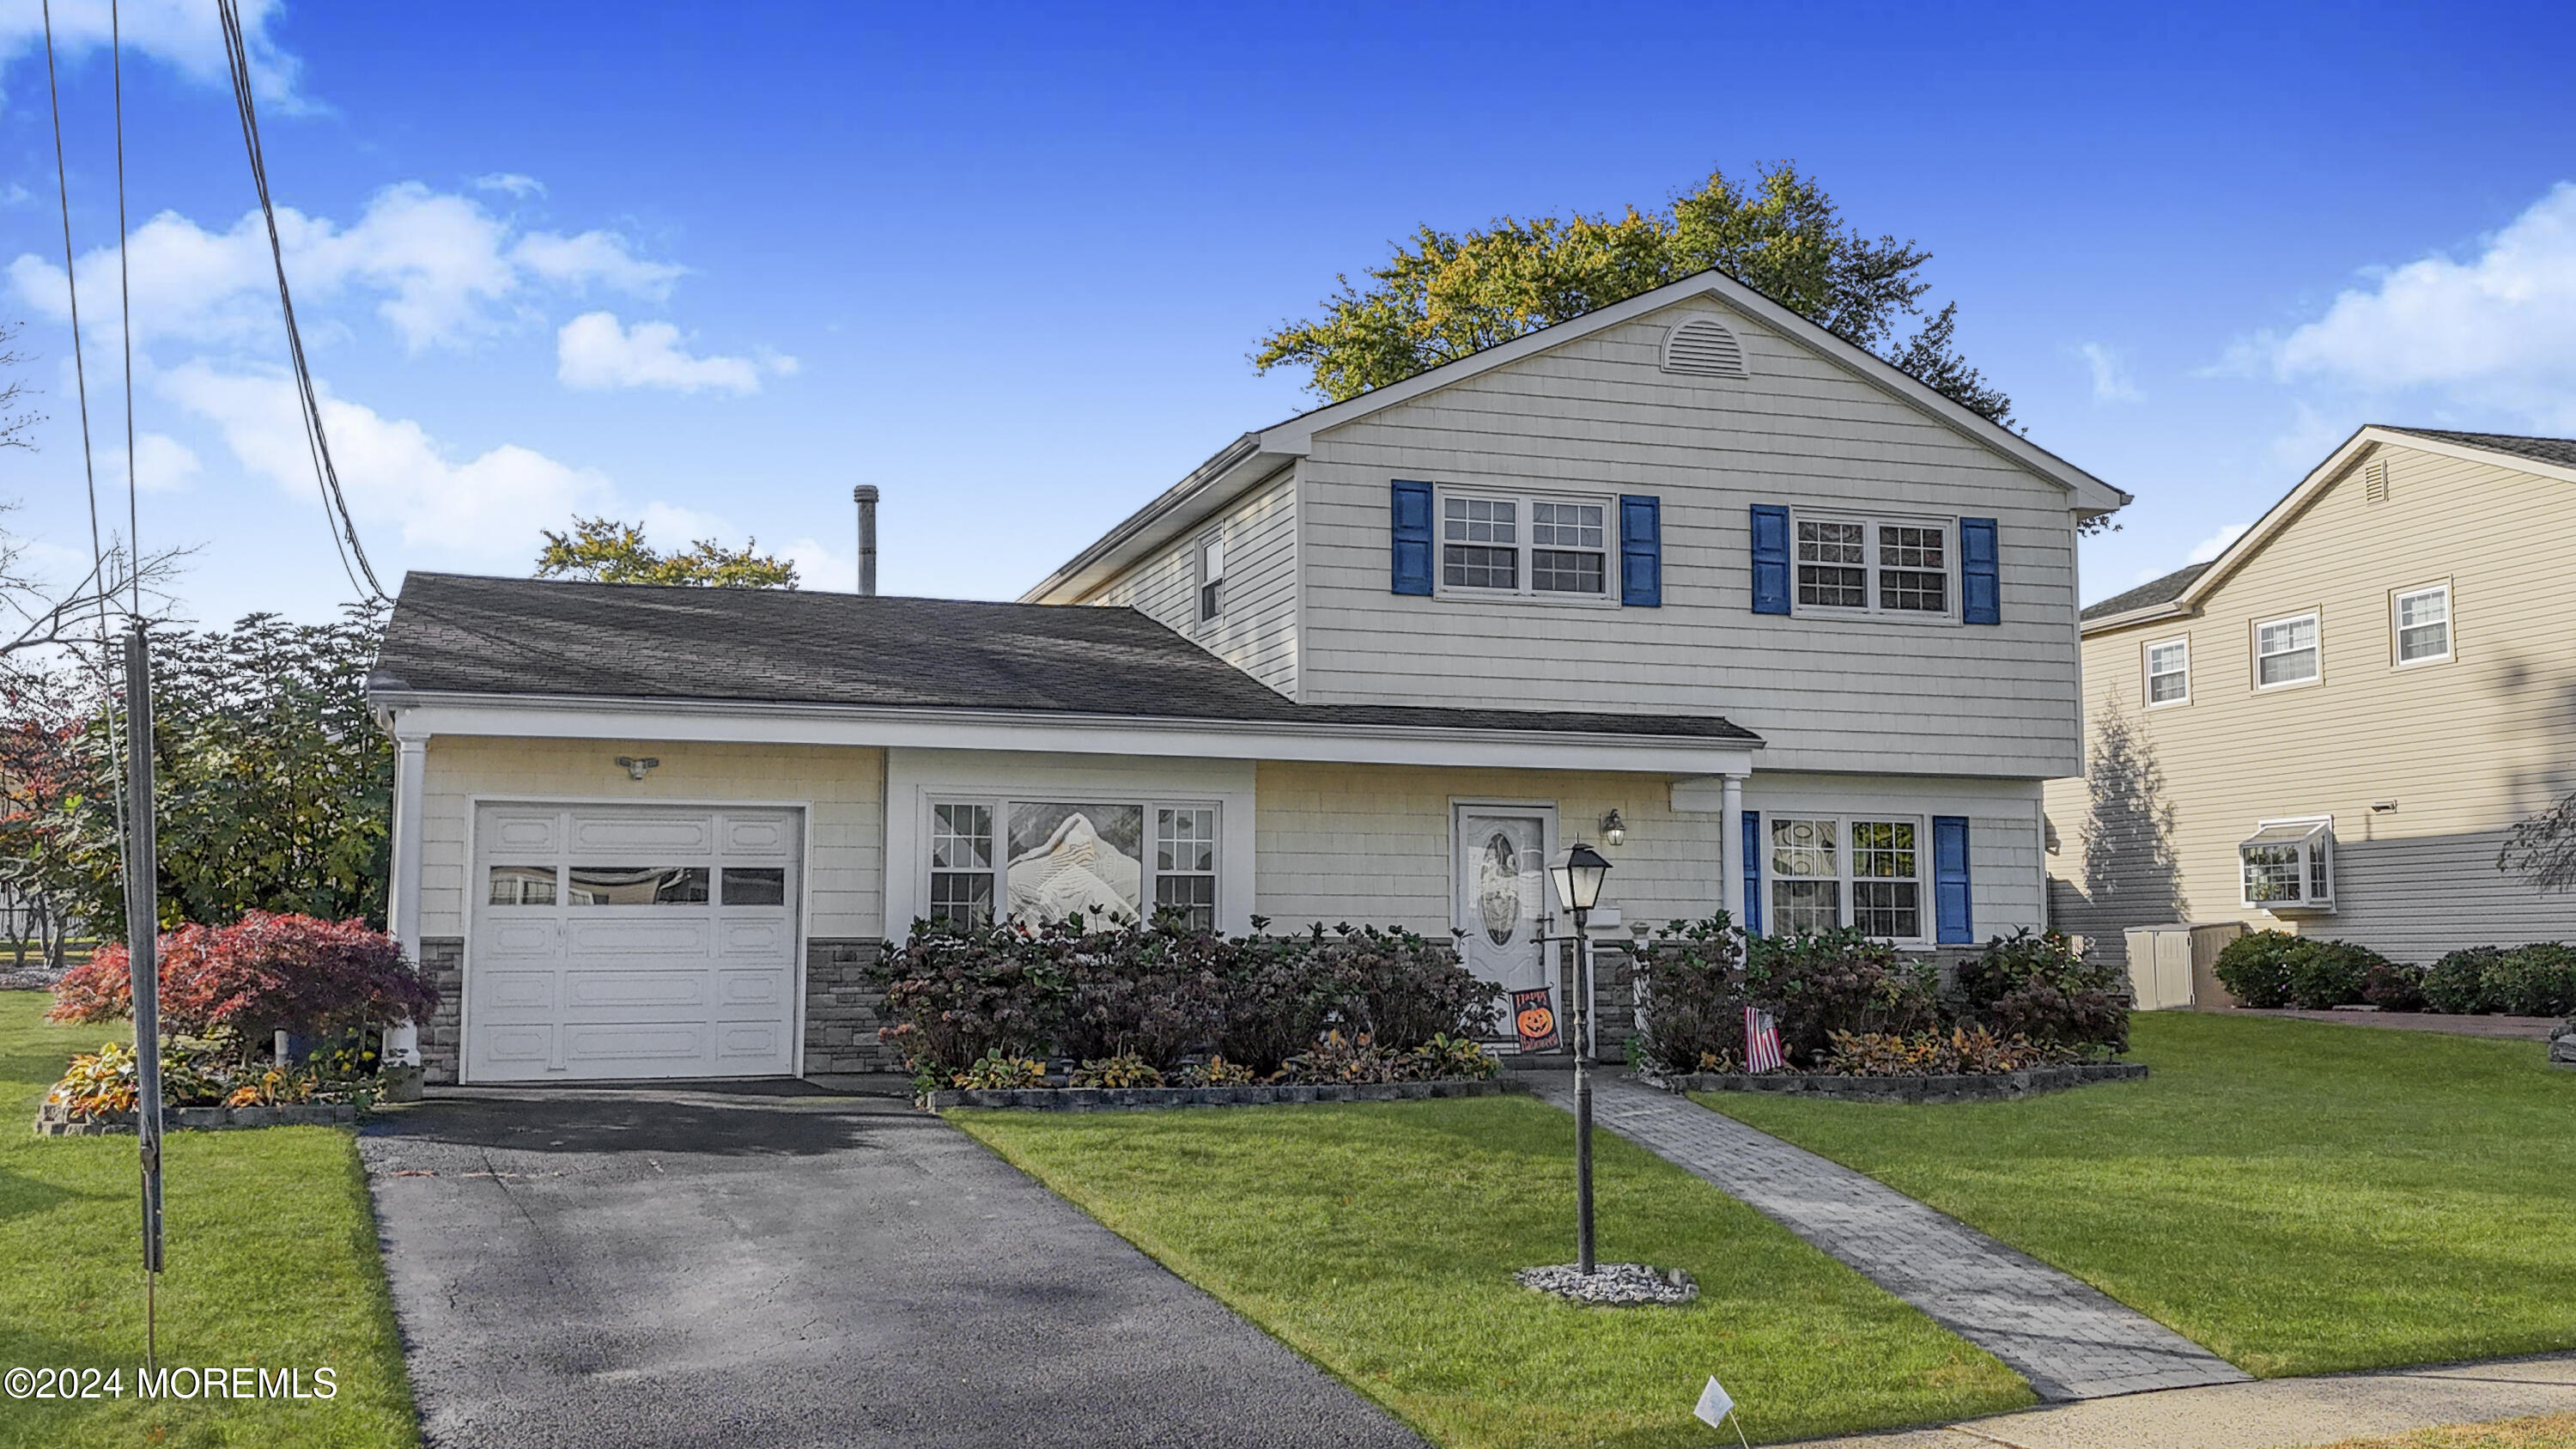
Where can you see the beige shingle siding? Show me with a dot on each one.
(1597, 415)
(2465, 748)
(1257, 632)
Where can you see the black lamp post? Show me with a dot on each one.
(1578, 887)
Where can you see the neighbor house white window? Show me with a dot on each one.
(1823, 873)
(1875, 566)
(2288, 865)
(2285, 652)
(2169, 672)
(1553, 547)
(1026, 862)
(1211, 579)
(2421, 622)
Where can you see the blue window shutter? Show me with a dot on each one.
(1980, 590)
(1412, 537)
(1641, 550)
(1752, 921)
(1950, 881)
(1770, 558)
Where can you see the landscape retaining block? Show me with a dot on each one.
(1979, 1087)
(53, 1119)
(1110, 1099)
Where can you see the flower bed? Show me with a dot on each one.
(54, 1119)
(1104, 1099)
(1949, 1087)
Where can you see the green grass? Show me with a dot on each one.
(271, 1262)
(2300, 1197)
(1379, 1241)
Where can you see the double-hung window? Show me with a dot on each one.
(1211, 575)
(1024, 862)
(2169, 672)
(2285, 652)
(1827, 872)
(1533, 546)
(2420, 621)
(1875, 566)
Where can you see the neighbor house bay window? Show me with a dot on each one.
(1874, 566)
(1027, 863)
(1823, 874)
(2288, 865)
(1553, 547)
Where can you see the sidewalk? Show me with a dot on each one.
(2271, 1414)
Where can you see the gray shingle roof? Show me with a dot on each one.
(457, 633)
(2561, 451)
(2149, 594)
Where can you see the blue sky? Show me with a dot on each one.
(712, 267)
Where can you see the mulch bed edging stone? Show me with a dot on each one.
(1106, 1099)
(53, 1119)
(1980, 1087)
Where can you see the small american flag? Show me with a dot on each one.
(1761, 1041)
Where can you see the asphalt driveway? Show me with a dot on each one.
(711, 1269)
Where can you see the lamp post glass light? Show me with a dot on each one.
(1578, 888)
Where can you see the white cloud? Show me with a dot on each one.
(162, 464)
(594, 352)
(2216, 544)
(182, 34)
(439, 265)
(2110, 374)
(818, 567)
(510, 183)
(2495, 331)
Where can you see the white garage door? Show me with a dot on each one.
(619, 941)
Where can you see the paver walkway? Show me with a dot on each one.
(2068, 1339)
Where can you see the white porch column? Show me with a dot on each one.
(1731, 849)
(402, 911)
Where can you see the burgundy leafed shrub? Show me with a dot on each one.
(264, 973)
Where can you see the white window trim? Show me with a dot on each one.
(1200, 618)
(2306, 904)
(1948, 523)
(2147, 671)
(1000, 805)
(1524, 529)
(2450, 625)
(2254, 650)
(1926, 909)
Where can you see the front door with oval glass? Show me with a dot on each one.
(1502, 884)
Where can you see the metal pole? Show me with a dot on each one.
(142, 933)
(865, 495)
(1582, 1106)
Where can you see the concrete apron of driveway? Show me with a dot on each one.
(717, 1267)
(2272, 1414)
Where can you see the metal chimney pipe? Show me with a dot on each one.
(865, 495)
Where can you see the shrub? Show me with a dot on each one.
(1829, 981)
(2536, 980)
(1339, 1059)
(1216, 1071)
(1963, 1049)
(262, 974)
(197, 1074)
(2463, 982)
(2328, 974)
(1452, 1059)
(1128, 1070)
(2394, 986)
(1694, 988)
(998, 1071)
(2040, 986)
(957, 998)
(2255, 968)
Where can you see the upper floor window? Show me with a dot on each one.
(2169, 672)
(1558, 547)
(2421, 622)
(1867, 565)
(2285, 652)
(1211, 574)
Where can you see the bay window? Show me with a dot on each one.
(2287, 866)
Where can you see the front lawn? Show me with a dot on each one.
(270, 1256)
(2300, 1197)
(1379, 1240)
(2547, 1431)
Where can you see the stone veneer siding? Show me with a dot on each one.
(841, 1017)
(442, 960)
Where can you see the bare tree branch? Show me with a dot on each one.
(2542, 850)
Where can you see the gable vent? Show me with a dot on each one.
(2374, 481)
(1703, 347)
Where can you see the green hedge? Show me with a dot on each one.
(2274, 969)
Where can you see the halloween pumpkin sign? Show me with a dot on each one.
(1534, 1016)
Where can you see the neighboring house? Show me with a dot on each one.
(1790, 633)
(2329, 728)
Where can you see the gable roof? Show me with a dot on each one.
(1256, 456)
(2180, 592)
(459, 634)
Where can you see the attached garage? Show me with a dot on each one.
(632, 941)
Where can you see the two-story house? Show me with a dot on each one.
(1784, 631)
(2332, 727)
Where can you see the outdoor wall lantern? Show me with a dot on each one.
(1614, 829)
(1578, 888)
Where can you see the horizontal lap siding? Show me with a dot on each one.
(1257, 632)
(2464, 748)
(845, 826)
(1596, 415)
